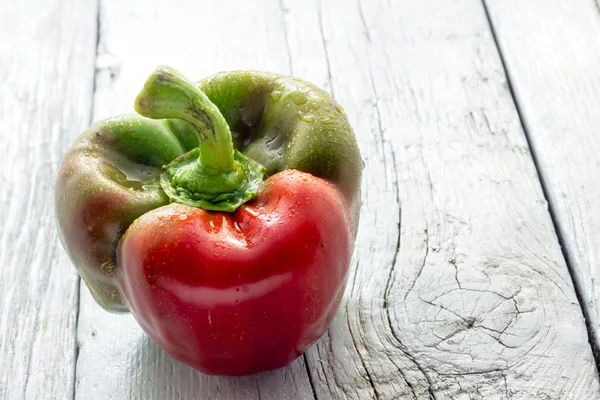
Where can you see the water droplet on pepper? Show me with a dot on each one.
(299, 98)
(276, 95)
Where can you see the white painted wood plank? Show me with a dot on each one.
(552, 53)
(47, 52)
(472, 300)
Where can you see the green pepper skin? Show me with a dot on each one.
(111, 175)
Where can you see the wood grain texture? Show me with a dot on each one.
(459, 289)
(47, 55)
(552, 54)
(473, 298)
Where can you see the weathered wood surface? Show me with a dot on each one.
(479, 301)
(458, 289)
(552, 53)
(46, 84)
(464, 293)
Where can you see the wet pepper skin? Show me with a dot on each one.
(223, 216)
(243, 292)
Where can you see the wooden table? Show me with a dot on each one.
(477, 259)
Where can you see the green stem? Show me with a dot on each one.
(168, 94)
(214, 176)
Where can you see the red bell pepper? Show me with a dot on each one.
(224, 271)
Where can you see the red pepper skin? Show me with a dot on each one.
(235, 294)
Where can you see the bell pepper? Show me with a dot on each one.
(223, 216)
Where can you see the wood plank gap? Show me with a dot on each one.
(310, 377)
(551, 207)
(78, 287)
(95, 83)
(76, 357)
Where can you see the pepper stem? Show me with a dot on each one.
(214, 176)
(168, 94)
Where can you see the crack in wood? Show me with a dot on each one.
(423, 263)
(597, 6)
(258, 390)
(362, 360)
(381, 133)
(286, 37)
(310, 377)
(324, 43)
(388, 283)
(388, 288)
(362, 19)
